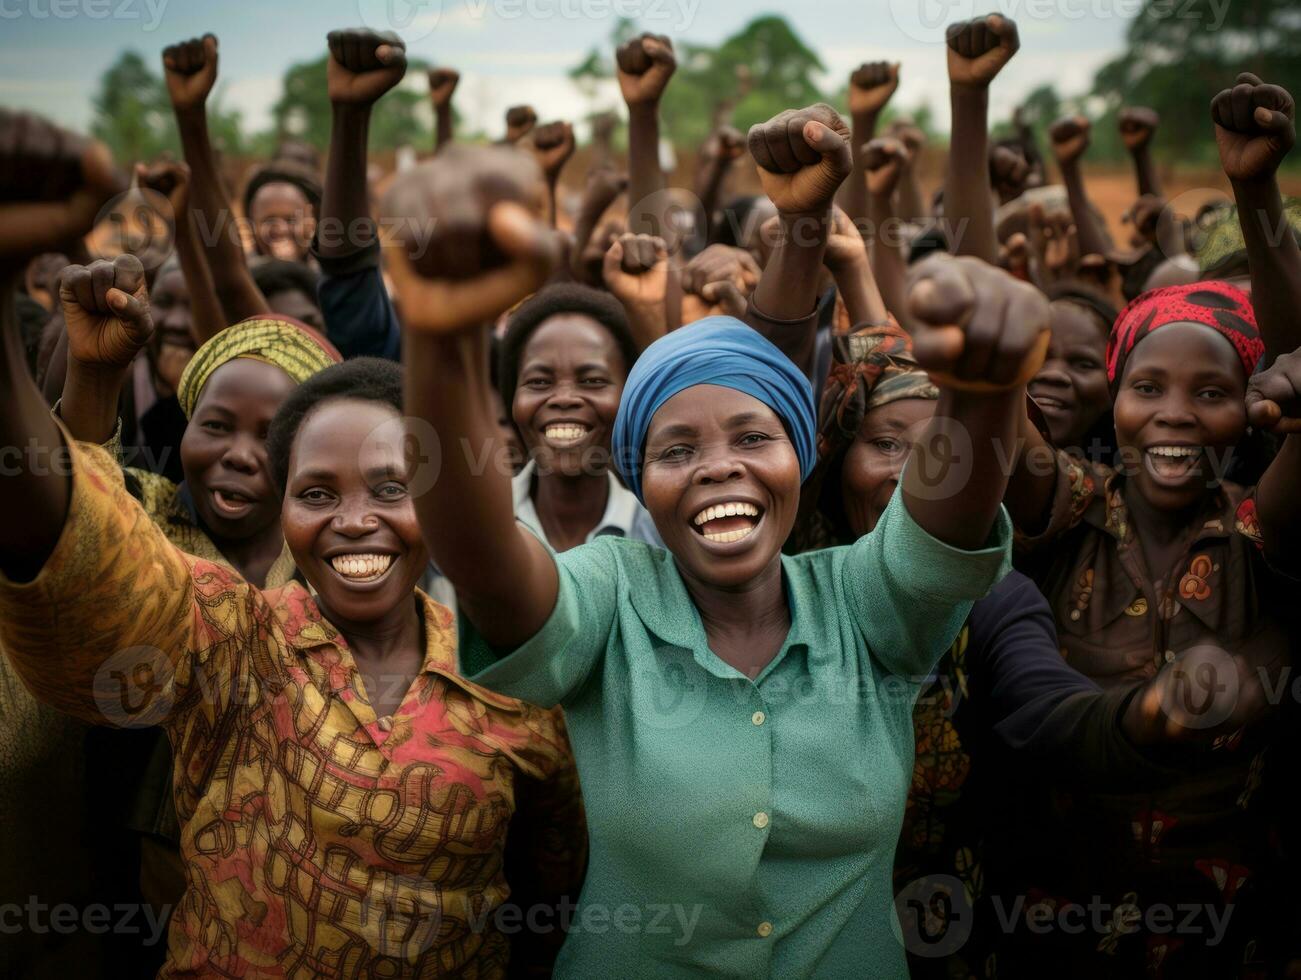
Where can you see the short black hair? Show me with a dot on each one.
(275, 276)
(1092, 300)
(370, 379)
(565, 297)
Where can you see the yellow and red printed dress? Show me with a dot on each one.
(318, 840)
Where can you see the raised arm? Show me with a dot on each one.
(885, 161)
(846, 260)
(645, 65)
(870, 88)
(981, 334)
(442, 84)
(977, 51)
(106, 310)
(1274, 402)
(553, 145)
(910, 205)
(483, 249)
(1070, 138)
(1137, 127)
(520, 120)
(720, 152)
(52, 185)
(1255, 127)
(637, 272)
(191, 70)
(803, 157)
(587, 258)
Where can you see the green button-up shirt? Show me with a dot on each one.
(743, 828)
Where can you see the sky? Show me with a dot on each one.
(53, 52)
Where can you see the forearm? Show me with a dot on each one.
(968, 204)
(1145, 171)
(89, 405)
(1090, 236)
(444, 127)
(1275, 263)
(911, 205)
(207, 318)
(889, 266)
(552, 180)
(215, 222)
(595, 204)
(467, 517)
(345, 224)
(954, 482)
(645, 178)
(858, 289)
(33, 484)
(853, 192)
(1033, 478)
(788, 287)
(709, 187)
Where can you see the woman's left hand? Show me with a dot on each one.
(1274, 395)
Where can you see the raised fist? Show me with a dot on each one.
(520, 120)
(906, 130)
(1070, 138)
(645, 64)
(363, 65)
(553, 145)
(1255, 127)
(803, 157)
(845, 245)
(1137, 127)
(1274, 395)
(871, 85)
(106, 308)
(977, 327)
(191, 69)
(442, 83)
(53, 184)
(1008, 170)
(636, 270)
(884, 159)
(978, 49)
(472, 245)
(1055, 238)
(718, 281)
(725, 143)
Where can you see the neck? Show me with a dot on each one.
(755, 607)
(1156, 525)
(572, 504)
(253, 556)
(394, 634)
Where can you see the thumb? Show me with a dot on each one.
(519, 234)
(1261, 411)
(210, 49)
(1271, 120)
(390, 55)
(126, 306)
(823, 138)
(613, 260)
(725, 294)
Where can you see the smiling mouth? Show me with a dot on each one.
(563, 434)
(361, 568)
(1173, 462)
(232, 503)
(727, 522)
(1050, 402)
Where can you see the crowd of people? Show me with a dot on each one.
(463, 571)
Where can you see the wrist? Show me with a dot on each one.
(93, 377)
(864, 119)
(648, 109)
(351, 111)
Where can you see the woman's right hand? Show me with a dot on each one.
(106, 309)
(190, 68)
(803, 157)
(472, 243)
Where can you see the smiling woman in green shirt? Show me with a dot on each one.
(741, 720)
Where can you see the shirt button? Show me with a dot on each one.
(1169, 656)
(758, 717)
(761, 820)
(764, 930)
(385, 724)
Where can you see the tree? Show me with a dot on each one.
(401, 117)
(132, 113)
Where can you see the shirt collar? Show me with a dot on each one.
(621, 506)
(1217, 517)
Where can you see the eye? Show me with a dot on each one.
(536, 383)
(595, 382)
(213, 425)
(314, 495)
(887, 445)
(675, 453)
(1145, 388)
(1211, 394)
(1084, 364)
(753, 439)
(391, 491)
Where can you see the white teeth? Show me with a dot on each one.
(723, 537)
(361, 567)
(1175, 451)
(730, 509)
(565, 432)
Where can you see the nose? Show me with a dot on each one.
(354, 517)
(1175, 411)
(718, 467)
(243, 453)
(1052, 373)
(564, 395)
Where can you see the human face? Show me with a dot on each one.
(710, 451)
(875, 459)
(297, 304)
(173, 339)
(1179, 408)
(571, 375)
(224, 449)
(1071, 387)
(348, 516)
(282, 221)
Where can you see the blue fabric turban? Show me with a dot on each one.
(718, 350)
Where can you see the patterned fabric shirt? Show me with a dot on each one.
(318, 839)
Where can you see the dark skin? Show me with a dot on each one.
(1255, 129)
(644, 66)
(846, 259)
(282, 221)
(586, 256)
(347, 494)
(1137, 127)
(173, 343)
(977, 51)
(190, 70)
(1071, 388)
(362, 66)
(885, 161)
(718, 281)
(297, 304)
(637, 271)
(442, 85)
(553, 145)
(720, 152)
(871, 86)
(1070, 138)
(910, 206)
(520, 121)
(571, 376)
(876, 457)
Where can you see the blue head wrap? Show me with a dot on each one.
(718, 350)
